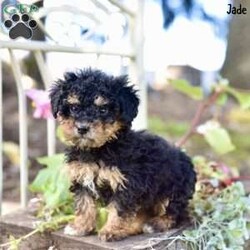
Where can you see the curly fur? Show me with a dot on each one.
(157, 178)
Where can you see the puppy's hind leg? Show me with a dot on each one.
(168, 217)
(85, 216)
(159, 224)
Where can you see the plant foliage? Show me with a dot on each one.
(216, 136)
(186, 88)
(221, 220)
(53, 184)
(220, 209)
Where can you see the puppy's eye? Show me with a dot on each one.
(103, 110)
(75, 108)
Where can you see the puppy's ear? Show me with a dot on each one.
(128, 100)
(70, 76)
(55, 98)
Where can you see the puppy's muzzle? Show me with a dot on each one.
(82, 128)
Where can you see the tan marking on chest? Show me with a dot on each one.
(78, 171)
(91, 174)
(112, 176)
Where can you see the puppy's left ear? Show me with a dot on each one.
(128, 100)
(55, 98)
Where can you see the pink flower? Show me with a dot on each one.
(41, 103)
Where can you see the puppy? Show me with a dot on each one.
(143, 181)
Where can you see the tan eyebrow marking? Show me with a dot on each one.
(73, 99)
(100, 101)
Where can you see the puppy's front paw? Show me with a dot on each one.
(106, 235)
(76, 231)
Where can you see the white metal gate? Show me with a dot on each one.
(37, 48)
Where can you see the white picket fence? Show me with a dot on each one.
(135, 57)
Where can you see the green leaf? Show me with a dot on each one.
(48, 175)
(52, 182)
(219, 139)
(14, 243)
(102, 215)
(186, 88)
(242, 97)
(52, 161)
(39, 184)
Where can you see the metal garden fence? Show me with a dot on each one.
(135, 55)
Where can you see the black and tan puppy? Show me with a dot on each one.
(144, 182)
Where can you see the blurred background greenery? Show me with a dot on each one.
(193, 40)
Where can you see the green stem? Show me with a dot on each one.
(21, 238)
(41, 228)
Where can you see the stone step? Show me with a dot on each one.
(10, 207)
(20, 223)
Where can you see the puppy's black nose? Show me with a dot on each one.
(82, 129)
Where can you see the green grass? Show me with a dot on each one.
(170, 128)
